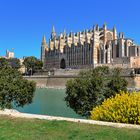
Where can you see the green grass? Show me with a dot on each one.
(34, 129)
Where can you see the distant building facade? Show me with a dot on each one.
(9, 54)
(90, 48)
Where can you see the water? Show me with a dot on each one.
(49, 102)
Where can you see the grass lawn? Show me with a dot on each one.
(34, 129)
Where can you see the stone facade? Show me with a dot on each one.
(88, 49)
(9, 54)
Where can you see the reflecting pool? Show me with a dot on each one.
(49, 102)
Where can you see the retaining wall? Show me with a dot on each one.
(50, 81)
(60, 81)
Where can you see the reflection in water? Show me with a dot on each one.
(49, 102)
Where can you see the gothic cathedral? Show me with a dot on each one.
(88, 49)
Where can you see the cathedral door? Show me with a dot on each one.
(63, 64)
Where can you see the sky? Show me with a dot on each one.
(24, 22)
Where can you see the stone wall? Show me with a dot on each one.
(60, 81)
(65, 72)
(135, 62)
(137, 81)
(40, 81)
(122, 60)
(50, 81)
(57, 81)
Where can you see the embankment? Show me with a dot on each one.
(60, 81)
(50, 81)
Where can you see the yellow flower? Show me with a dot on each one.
(124, 108)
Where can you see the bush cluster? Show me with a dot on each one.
(91, 87)
(14, 89)
(123, 108)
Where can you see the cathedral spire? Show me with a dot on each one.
(53, 34)
(114, 29)
(114, 33)
(121, 35)
(64, 31)
(105, 26)
(44, 40)
(53, 29)
(95, 27)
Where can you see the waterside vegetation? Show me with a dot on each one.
(14, 89)
(123, 108)
(92, 87)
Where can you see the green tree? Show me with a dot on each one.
(14, 63)
(4, 63)
(116, 83)
(32, 64)
(92, 87)
(14, 89)
(38, 65)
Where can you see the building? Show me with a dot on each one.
(9, 54)
(88, 49)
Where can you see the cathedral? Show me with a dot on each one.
(90, 48)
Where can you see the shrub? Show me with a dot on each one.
(32, 64)
(15, 89)
(123, 108)
(12, 63)
(92, 87)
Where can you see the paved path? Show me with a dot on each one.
(15, 113)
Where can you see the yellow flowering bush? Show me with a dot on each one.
(123, 108)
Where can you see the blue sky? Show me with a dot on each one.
(23, 22)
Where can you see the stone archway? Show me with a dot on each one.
(63, 64)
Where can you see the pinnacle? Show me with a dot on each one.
(44, 39)
(64, 31)
(53, 29)
(114, 28)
